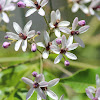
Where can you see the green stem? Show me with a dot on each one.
(41, 64)
(46, 21)
(51, 8)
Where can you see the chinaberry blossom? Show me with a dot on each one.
(80, 4)
(56, 23)
(36, 85)
(47, 45)
(37, 6)
(5, 6)
(74, 33)
(67, 45)
(22, 35)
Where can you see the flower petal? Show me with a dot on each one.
(39, 78)
(41, 93)
(84, 9)
(29, 94)
(52, 94)
(91, 89)
(40, 44)
(41, 12)
(73, 46)
(84, 29)
(70, 55)
(57, 32)
(28, 81)
(65, 30)
(97, 93)
(75, 7)
(27, 26)
(63, 23)
(55, 49)
(61, 98)
(97, 81)
(53, 17)
(5, 17)
(53, 82)
(74, 24)
(44, 2)
(17, 45)
(17, 28)
(30, 11)
(24, 45)
(69, 41)
(51, 25)
(63, 41)
(45, 54)
(58, 58)
(78, 40)
(58, 15)
(38, 97)
(38, 1)
(89, 94)
(43, 84)
(46, 37)
(31, 34)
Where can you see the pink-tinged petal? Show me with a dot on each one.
(63, 23)
(28, 81)
(97, 81)
(40, 44)
(61, 98)
(89, 94)
(27, 26)
(63, 41)
(17, 28)
(29, 94)
(58, 59)
(75, 7)
(38, 97)
(12, 35)
(30, 12)
(43, 84)
(70, 55)
(41, 93)
(5, 17)
(53, 17)
(52, 94)
(51, 25)
(57, 33)
(29, 3)
(84, 29)
(24, 45)
(73, 46)
(75, 23)
(65, 30)
(41, 12)
(2, 2)
(58, 15)
(53, 82)
(17, 45)
(78, 40)
(91, 89)
(39, 78)
(97, 93)
(31, 34)
(84, 9)
(45, 54)
(46, 37)
(55, 49)
(44, 2)
(69, 41)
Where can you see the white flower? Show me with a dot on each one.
(80, 4)
(61, 98)
(37, 6)
(67, 45)
(56, 23)
(35, 86)
(74, 33)
(22, 36)
(46, 45)
(5, 6)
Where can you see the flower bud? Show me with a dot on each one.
(38, 32)
(6, 44)
(33, 47)
(66, 63)
(6, 37)
(82, 23)
(21, 4)
(58, 41)
(34, 74)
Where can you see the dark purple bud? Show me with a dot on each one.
(38, 32)
(33, 47)
(6, 37)
(58, 41)
(21, 4)
(34, 74)
(67, 63)
(6, 44)
(82, 23)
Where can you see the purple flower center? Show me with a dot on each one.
(22, 36)
(78, 1)
(97, 7)
(35, 85)
(62, 51)
(48, 47)
(95, 99)
(56, 24)
(0, 8)
(44, 88)
(74, 32)
(37, 5)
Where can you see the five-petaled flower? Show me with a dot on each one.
(74, 33)
(56, 23)
(22, 36)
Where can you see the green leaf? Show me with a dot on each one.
(81, 80)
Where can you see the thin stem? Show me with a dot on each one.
(51, 5)
(46, 21)
(41, 64)
(47, 98)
